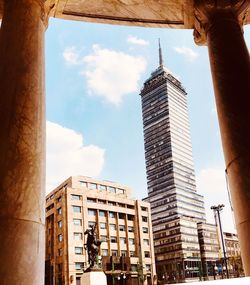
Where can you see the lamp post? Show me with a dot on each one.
(124, 278)
(215, 271)
(217, 210)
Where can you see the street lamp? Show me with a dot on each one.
(123, 278)
(217, 210)
(215, 268)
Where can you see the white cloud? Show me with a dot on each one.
(187, 52)
(211, 183)
(71, 55)
(112, 74)
(136, 41)
(67, 155)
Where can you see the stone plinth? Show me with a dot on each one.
(94, 278)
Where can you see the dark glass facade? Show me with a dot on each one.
(175, 204)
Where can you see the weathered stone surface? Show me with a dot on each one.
(161, 13)
(230, 66)
(22, 143)
(93, 278)
(207, 11)
(146, 13)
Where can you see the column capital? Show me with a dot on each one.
(207, 11)
(46, 8)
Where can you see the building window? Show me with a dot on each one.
(132, 253)
(113, 239)
(103, 238)
(60, 252)
(145, 230)
(103, 226)
(131, 217)
(122, 216)
(91, 212)
(112, 227)
(77, 236)
(111, 203)
(59, 211)
(148, 267)
(120, 191)
(59, 267)
(130, 206)
(101, 201)
(112, 214)
(59, 224)
(130, 229)
(91, 224)
(60, 237)
(146, 242)
(79, 265)
(114, 252)
(144, 219)
(103, 187)
(102, 213)
(104, 252)
(146, 254)
(83, 184)
(93, 186)
(121, 205)
(77, 222)
(78, 250)
(123, 253)
(59, 199)
(76, 209)
(122, 240)
(131, 241)
(144, 209)
(111, 189)
(134, 267)
(91, 200)
(75, 197)
(122, 228)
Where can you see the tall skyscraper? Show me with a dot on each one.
(176, 206)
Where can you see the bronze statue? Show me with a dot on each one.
(92, 246)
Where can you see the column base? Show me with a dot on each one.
(93, 278)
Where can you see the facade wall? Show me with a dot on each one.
(175, 204)
(123, 224)
(212, 252)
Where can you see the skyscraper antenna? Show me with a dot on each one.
(160, 54)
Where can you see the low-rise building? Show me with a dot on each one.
(233, 254)
(209, 248)
(123, 224)
(211, 251)
(177, 250)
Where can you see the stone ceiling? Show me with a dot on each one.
(147, 13)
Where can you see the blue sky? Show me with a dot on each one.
(94, 74)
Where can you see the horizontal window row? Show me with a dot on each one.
(111, 214)
(111, 203)
(94, 186)
(104, 252)
(112, 227)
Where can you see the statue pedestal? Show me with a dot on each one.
(94, 278)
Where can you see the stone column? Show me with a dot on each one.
(219, 22)
(22, 143)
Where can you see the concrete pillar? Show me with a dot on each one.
(22, 143)
(230, 66)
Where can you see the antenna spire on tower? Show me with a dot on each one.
(160, 54)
